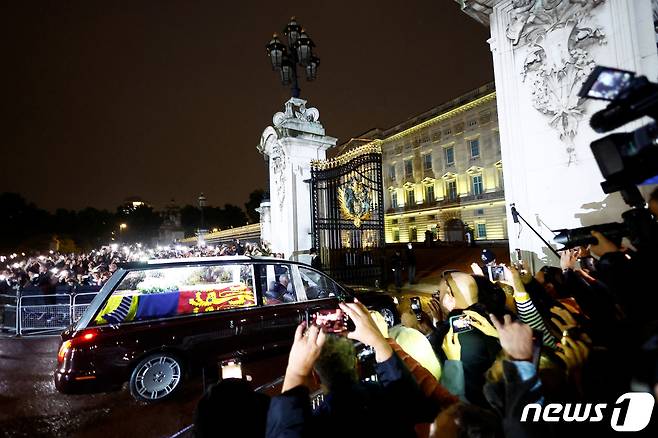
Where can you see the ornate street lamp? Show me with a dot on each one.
(298, 52)
(287, 72)
(292, 31)
(276, 51)
(312, 68)
(304, 48)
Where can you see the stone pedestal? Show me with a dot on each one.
(542, 52)
(295, 138)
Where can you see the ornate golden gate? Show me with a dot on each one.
(348, 214)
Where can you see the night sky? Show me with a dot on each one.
(165, 99)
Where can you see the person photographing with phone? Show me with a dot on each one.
(464, 338)
(389, 407)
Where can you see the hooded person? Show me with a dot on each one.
(466, 335)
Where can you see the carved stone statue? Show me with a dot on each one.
(557, 34)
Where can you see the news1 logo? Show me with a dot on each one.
(631, 412)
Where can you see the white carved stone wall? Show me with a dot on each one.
(291, 143)
(542, 51)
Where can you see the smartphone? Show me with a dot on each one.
(416, 306)
(231, 369)
(496, 273)
(331, 320)
(461, 323)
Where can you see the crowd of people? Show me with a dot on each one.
(524, 356)
(51, 269)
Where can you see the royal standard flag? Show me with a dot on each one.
(119, 308)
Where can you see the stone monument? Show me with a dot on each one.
(295, 138)
(542, 52)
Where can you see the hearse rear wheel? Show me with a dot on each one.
(156, 377)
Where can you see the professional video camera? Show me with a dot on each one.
(625, 159)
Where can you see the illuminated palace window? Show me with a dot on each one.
(477, 185)
(450, 155)
(411, 197)
(429, 194)
(408, 168)
(451, 189)
(482, 231)
(413, 234)
(396, 234)
(427, 161)
(391, 171)
(394, 200)
(474, 147)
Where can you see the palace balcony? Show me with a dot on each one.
(448, 203)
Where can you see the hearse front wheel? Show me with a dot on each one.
(156, 377)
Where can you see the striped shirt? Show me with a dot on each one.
(529, 314)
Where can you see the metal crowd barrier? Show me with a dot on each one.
(44, 314)
(30, 312)
(80, 303)
(8, 319)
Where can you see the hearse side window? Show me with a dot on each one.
(317, 286)
(276, 283)
(159, 293)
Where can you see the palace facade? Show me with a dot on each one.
(443, 174)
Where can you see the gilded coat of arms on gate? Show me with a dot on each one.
(355, 201)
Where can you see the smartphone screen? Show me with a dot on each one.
(461, 323)
(496, 273)
(231, 369)
(416, 306)
(332, 320)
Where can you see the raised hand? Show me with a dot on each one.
(305, 350)
(451, 346)
(366, 330)
(574, 354)
(477, 270)
(513, 278)
(562, 319)
(569, 258)
(434, 309)
(515, 338)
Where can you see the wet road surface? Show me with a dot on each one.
(31, 406)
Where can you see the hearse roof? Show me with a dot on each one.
(199, 260)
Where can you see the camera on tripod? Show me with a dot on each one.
(625, 159)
